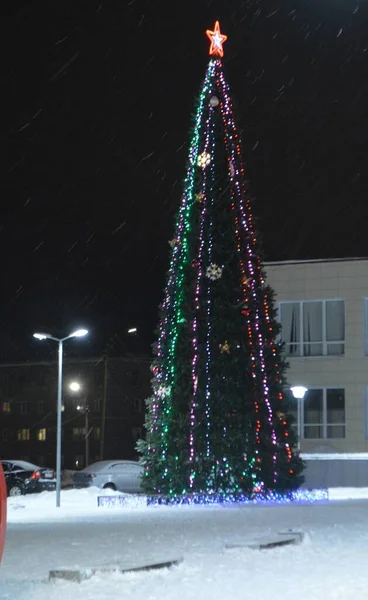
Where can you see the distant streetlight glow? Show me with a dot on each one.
(132, 330)
(75, 386)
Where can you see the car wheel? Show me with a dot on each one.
(15, 490)
(109, 486)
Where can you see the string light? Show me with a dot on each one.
(298, 496)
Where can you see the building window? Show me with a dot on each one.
(366, 325)
(41, 435)
(97, 403)
(132, 377)
(324, 414)
(313, 328)
(97, 433)
(5, 407)
(137, 433)
(5, 435)
(137, 405)
(23, 435)
(41, 407)
(79, 433)
(24, 408)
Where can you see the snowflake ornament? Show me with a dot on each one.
(204, 160)
(214, 272)
(163, 390)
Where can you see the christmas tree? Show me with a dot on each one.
(217, 421)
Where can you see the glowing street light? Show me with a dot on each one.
(299, 392)
(79, 333)
(60, 341)
(75, 386)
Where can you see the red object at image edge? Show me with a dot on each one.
(2, 512)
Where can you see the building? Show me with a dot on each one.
(323, 309)
(109, 407)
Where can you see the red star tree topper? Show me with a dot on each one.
(217, 39)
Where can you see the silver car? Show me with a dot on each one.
(120, 475)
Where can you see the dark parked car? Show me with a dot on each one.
(22, 477)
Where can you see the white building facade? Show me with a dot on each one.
(323, 309)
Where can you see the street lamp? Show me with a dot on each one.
(46, 336)
(75, 386)
(299, 392)
(132, 330)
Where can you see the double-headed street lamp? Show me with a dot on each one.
(46, 336)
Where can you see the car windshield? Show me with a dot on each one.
(24, 465)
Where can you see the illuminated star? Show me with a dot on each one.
(217, 39)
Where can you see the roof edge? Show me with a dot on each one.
(313, 261)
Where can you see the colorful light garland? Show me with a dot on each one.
(188, 312)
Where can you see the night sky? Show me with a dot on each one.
(96, 107)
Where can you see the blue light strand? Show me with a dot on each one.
(300, 496)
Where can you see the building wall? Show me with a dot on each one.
(28, 394)
(347, 280)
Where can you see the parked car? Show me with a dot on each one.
(120, 475)
(22, 477)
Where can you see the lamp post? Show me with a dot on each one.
(75, 386)
(299, 392)
(60, 341)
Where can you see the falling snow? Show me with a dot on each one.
(95, 130)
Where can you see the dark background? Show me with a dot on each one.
(96, 103)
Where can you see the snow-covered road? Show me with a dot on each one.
(330, 565)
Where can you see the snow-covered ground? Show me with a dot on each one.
(330, 565)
